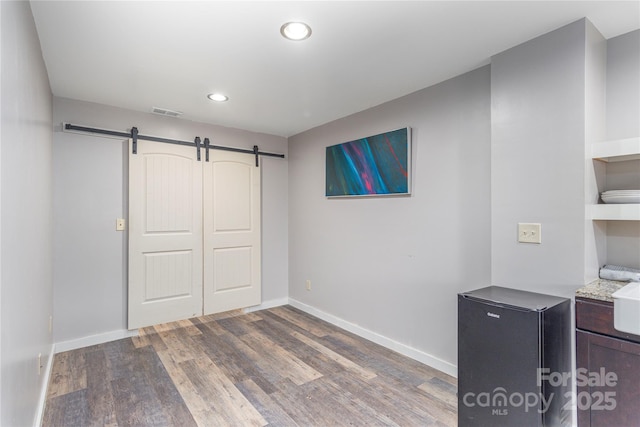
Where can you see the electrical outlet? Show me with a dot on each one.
(529, 233)
(308, 284)
(120, 224)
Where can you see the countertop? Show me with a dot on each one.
(600, 289)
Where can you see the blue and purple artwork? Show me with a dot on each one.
(375, 165)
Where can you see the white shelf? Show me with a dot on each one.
(613, 212)
(618, 150)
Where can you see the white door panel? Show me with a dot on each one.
(169, 195)
(165, 234)
(167, 275)
(232, 268)
(231, 232)
(232, 195)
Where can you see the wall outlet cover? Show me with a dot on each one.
(529, 232)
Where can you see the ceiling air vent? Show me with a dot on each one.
(166, 112)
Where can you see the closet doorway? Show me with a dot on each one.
(194, 233)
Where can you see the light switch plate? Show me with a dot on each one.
(529, 232)
(120, 224)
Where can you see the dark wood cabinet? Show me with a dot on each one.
(608, 368)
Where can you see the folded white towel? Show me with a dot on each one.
(619, 273)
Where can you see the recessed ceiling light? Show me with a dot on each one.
(218, 97)
(295, 31)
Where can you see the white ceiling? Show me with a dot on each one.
(144, 54)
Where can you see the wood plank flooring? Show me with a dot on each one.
(276, 367)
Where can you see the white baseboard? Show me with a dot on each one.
(44, 387)
(94, 339)
(403, 349)
(268, 304)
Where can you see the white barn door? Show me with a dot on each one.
(231, 232)
(194, 233)
(165, 234)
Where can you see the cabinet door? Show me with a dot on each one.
(598, 353)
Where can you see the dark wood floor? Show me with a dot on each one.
(279, 367)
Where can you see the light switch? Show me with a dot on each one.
(120, 224)
(529, 233)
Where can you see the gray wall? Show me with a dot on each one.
(393, 266)
(623, 86)
(26, 217)
(623, 121)
(538, 149)
(90, 193)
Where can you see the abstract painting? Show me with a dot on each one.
(372, 166)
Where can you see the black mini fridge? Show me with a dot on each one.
(514, 358)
